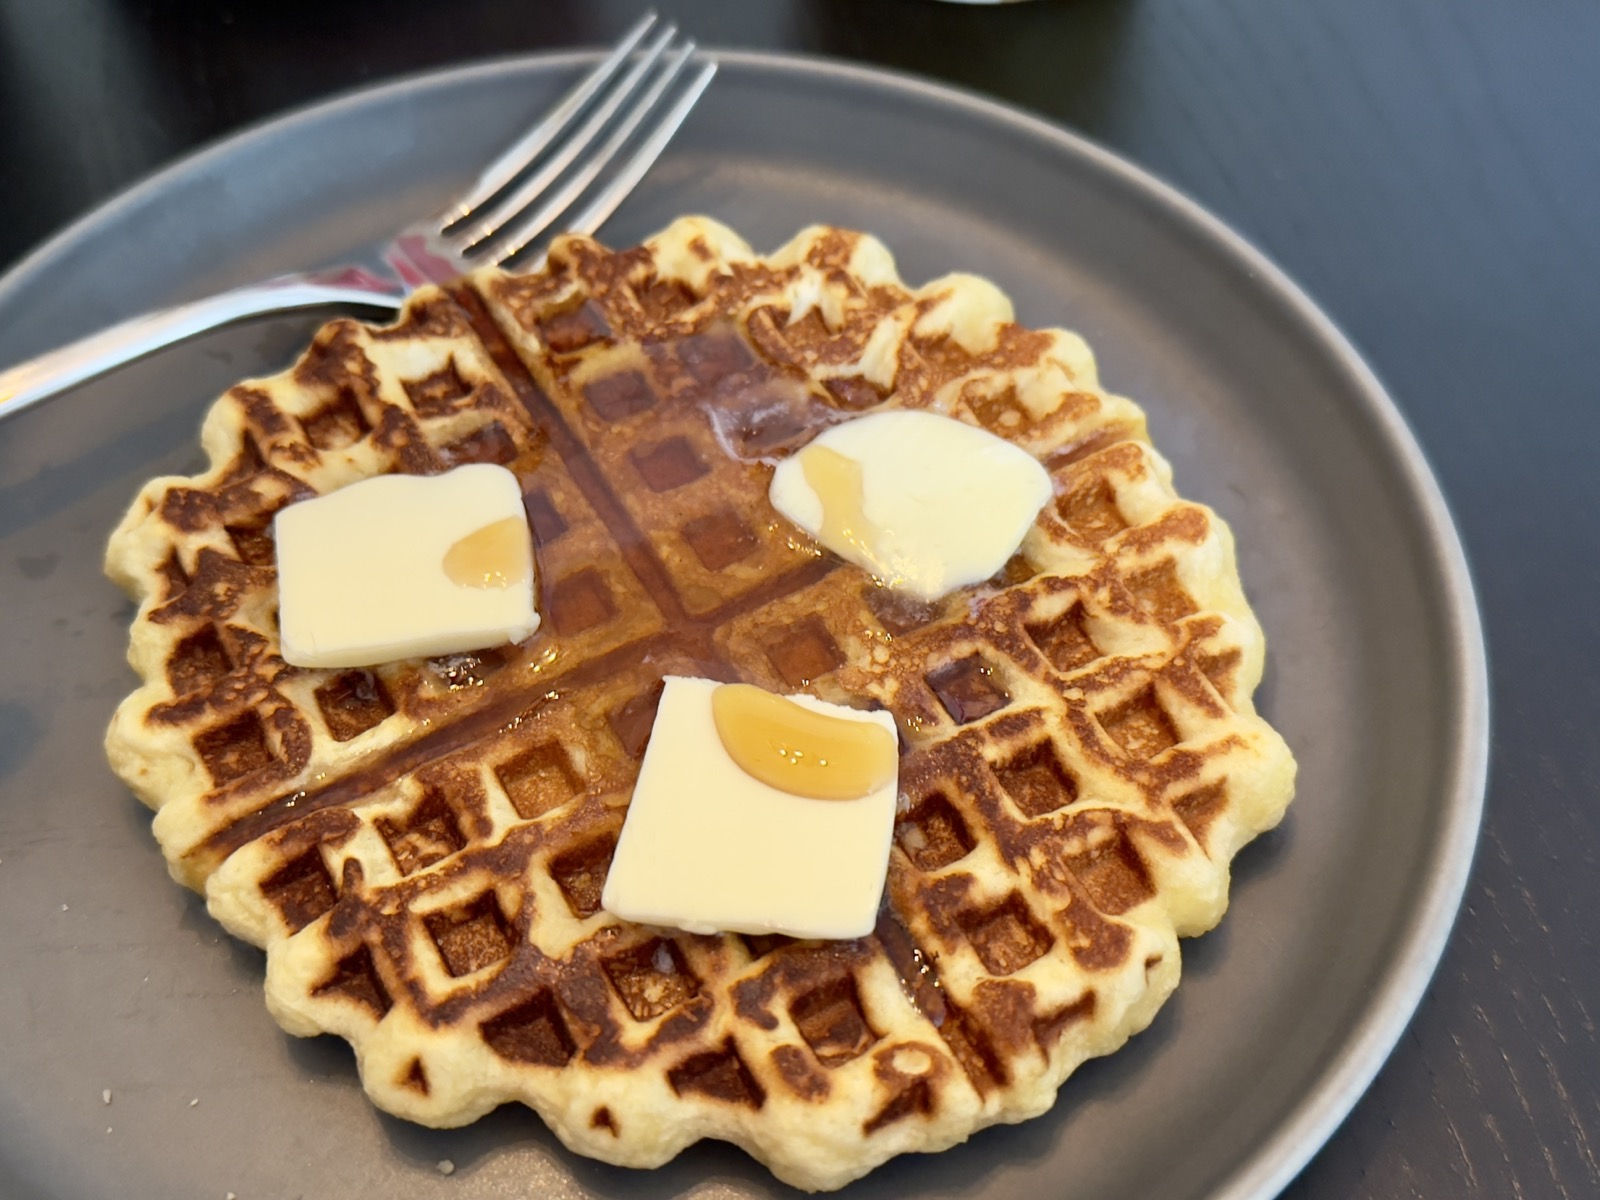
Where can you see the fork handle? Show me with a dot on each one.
(49, 374)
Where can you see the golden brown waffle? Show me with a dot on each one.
(421, 847)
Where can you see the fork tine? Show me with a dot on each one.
(600, 208)
(530, 189)
(519, 154)
(515, 239)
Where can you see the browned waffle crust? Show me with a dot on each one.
(420, 847)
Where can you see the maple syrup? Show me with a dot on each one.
(798, 750)
(496, 556)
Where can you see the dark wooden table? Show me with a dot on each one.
(1429, 171)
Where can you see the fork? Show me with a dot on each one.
(621, 115)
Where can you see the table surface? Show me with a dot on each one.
(1429, 172)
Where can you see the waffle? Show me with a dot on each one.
(420, 847)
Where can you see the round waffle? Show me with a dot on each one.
(420, 847)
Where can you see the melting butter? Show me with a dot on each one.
(924, 502)
(708, 847)
(800, 751)
(405, 566)
(496, 556)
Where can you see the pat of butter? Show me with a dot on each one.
(924, 502)
(708, 848)
(405, 566)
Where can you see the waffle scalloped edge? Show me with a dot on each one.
(1137, 855)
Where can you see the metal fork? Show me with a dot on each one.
(621, 115)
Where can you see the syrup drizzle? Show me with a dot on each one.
(801, 751)
(495, 556)
(837, 482)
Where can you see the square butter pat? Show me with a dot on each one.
(405, 566)
(708, 848)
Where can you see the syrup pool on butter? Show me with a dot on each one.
(799, 750)
(405, 566)
(924, 502)
(708, 847)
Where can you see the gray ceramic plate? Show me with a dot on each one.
(113, 978)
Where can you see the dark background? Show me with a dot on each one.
(1428, 171)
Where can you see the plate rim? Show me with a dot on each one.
(1306, 1127)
